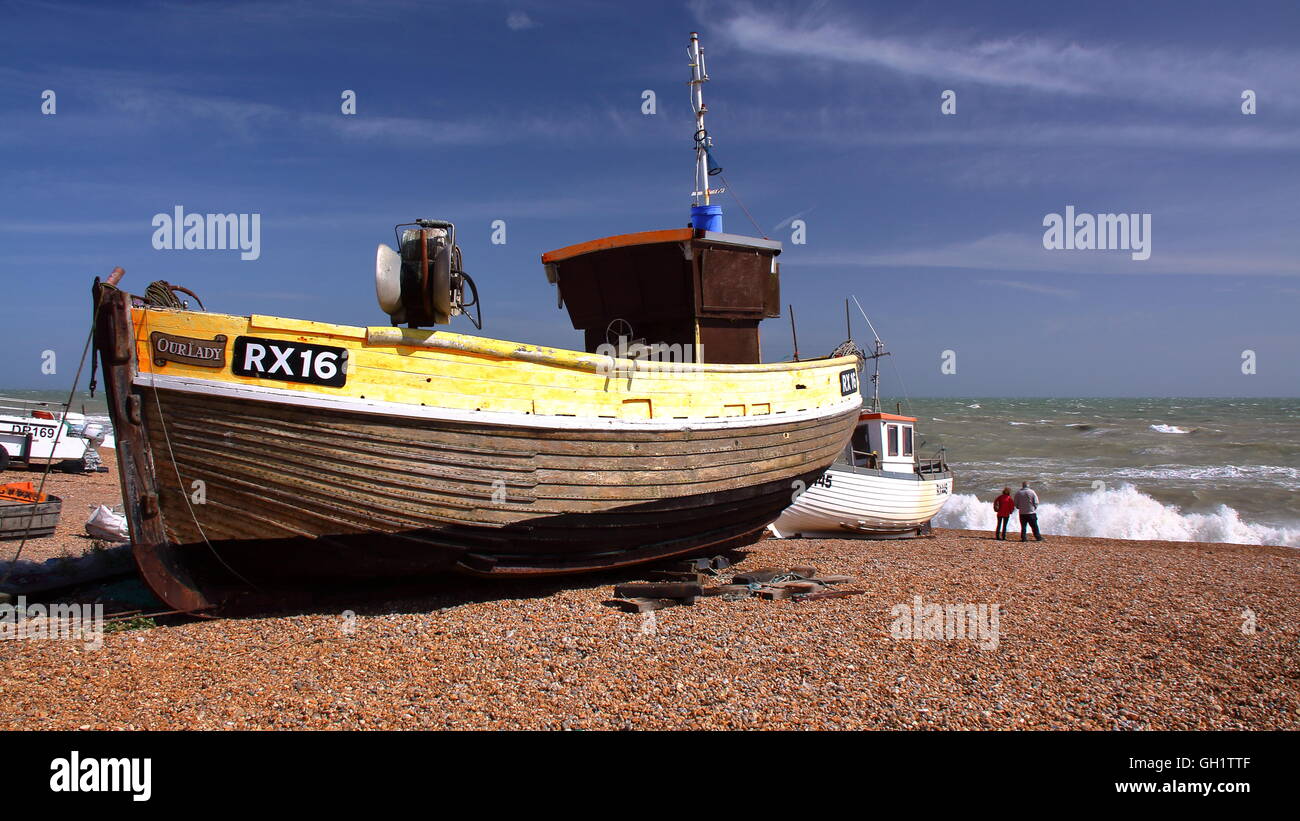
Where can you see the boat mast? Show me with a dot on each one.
(698, 78)
(876, 355)
(704, 215)
(875, 377)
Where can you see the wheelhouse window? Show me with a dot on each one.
(860, 447)
(907, 440)
(861, 439)
(893, 440)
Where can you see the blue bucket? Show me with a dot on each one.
(706, 217)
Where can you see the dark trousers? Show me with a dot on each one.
(1002, 526)
(1029, 520)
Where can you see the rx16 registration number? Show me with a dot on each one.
(290, 361)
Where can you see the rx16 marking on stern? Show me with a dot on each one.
(848, 382)
(290, 361)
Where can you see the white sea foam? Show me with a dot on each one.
(1123, 513)
(1169, 429)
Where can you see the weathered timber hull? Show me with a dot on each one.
(236, 484)
(505, 501)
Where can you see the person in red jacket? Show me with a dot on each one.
(1003, 506)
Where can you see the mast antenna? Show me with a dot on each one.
(794, 333)
(704, 215)
(878, 352)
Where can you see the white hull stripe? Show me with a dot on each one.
(257, 393)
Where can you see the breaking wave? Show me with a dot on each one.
(1123, 513)
(1169, 429)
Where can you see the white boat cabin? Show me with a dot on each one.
(884, 441)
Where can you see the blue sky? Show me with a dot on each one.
(826, 112)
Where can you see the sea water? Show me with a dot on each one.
(1218, 470)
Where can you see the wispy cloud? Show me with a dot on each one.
(1022, 252)
(80, 227)
(519, 20)
(1140, 135)
(1032, 287)
(1153, 73)
(788, 220)
(120, 103)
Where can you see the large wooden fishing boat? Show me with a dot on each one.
(258, 452)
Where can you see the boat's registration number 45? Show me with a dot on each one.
(290, 361)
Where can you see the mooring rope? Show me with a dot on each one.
(163, 294)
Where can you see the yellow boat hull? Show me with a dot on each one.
(258, 452)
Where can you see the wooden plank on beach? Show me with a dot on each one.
(658, 590)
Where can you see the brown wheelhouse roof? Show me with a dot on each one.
(656, 237)
(702, 291)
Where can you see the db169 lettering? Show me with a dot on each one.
(290, 361)
(37, 431)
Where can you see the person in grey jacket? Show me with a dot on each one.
(1027, 504)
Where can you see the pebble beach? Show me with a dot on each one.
(1093, 634)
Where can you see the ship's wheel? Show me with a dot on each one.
(618, 329)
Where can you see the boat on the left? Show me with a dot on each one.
(257, 451)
